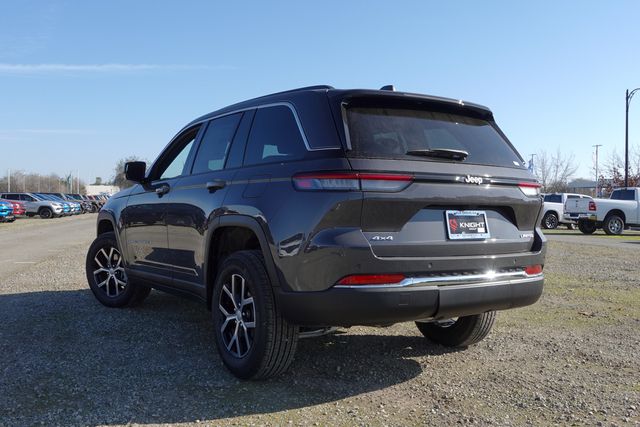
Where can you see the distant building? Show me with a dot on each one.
(95, 190)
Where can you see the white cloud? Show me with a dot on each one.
(99, 68)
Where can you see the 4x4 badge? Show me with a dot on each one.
(473, 179)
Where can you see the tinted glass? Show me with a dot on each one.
(215, 144)
(274, 137)
(392, 132)
(573, 197)
(11, 197)
(553, 198)
(623, 195)
(176, 167)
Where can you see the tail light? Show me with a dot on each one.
(592, 206)
(530, 189)
(352, 181)
(533, 270)
(371, 279)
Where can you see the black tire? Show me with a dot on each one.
(613, 225)
(45, 213)
(463, 332)
(550, 221)
(265, 349)
(111, 286)
(586, 226)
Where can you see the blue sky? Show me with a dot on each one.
(83, 84)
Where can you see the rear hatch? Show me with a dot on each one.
(462, 190)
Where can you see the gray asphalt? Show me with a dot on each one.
(28, 241)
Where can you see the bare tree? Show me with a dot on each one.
(37, 183)
(554, 170)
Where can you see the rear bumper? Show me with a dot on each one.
(377, 305)
(587, 216)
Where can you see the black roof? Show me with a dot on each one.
(303, 92)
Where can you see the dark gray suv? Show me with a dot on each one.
(318, 207)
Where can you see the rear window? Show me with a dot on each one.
(623, 195)
(392, 132)
(553, 198)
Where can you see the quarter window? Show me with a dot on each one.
(215, 144)
(274, 137)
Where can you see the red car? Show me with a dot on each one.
(18, 207)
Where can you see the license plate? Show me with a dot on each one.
(463, 225)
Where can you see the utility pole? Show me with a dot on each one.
(9, 181)
(626, 134)
(597, 176)
(531, 168)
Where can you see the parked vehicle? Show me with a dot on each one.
(95, 205)
(36, 205)
(615, 214)
(76, 206)
(87, 206)
(320, 207)
(67, 208)
(18, 207)
(6, 212)
(97, 201)
(553, 210)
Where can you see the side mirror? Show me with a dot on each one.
(135, 171)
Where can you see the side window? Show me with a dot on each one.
(553, 198)
(623, 195)
(27, 198)
(215, 144)
(172, 164)
(274, 137)
(573, 197)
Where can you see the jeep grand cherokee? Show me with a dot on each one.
(319, 207)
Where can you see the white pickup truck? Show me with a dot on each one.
(614, 215)
(553, 210)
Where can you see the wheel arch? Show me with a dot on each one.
(617, 212)
(230, 234)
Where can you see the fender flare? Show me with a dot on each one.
(252, 224)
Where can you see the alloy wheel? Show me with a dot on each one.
(551, 221)
(109, 273)
(615, 225)
(239, 313)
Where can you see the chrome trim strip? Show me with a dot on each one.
(489, 278)
(257, 107)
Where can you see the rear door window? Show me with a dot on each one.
(274, 137)
(623, 195)
(392, 132)
(215, 144)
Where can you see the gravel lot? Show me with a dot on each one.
(571, 359)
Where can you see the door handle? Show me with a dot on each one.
(162, 190)
(215, 185)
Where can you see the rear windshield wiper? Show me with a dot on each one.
(442, 153)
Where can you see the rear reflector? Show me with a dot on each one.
(371, 279)
(352, 181)
(592, 206)
(533, 270)
(530, 188)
